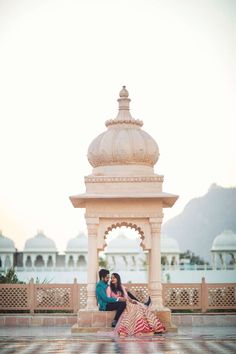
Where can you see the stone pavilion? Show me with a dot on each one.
(124, 190)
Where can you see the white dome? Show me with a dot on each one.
(78, 244)
(124, 142)
(122, 244)
(169, 245)
(6, 244)
(226, 241)
(40, 243)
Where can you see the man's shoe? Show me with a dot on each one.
(114, 322)
(148, 302)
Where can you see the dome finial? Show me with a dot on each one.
(124, 92)
(124, 115)
(124, 101)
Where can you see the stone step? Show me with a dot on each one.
(77, 329)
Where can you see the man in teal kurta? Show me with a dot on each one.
(106, 303)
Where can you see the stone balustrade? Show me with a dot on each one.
(35, 298)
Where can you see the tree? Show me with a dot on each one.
(193, 259)
(102, 263)
(10, 277)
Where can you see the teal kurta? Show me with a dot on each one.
(102, 297)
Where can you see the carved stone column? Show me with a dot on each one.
(169, 260)
(234, 259)
(177, 261)
(92, 225)
(221, 261)
(3, 257)
(155, 285)
(33, 259)
(224, 260)
(213, 257)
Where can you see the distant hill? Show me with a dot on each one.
(203, 219)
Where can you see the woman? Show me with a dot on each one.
(136, 319)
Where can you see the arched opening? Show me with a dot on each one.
(164, 260)
(232, 261)
(124, 254)
(125, 226)
(39, 261)
(81, 262)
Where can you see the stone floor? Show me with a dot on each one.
(42, 340)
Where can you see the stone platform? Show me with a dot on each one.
(90, 321)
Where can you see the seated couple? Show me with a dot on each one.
(132, 317)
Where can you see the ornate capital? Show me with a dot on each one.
(155, 229)
(158, 219)
(92, 220)
(155, 224)
(92, 226)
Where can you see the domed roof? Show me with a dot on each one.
(40, 243)
(124, 142)
(169, 245)
(78, 244)
(226, 241)
(123, 244)
(6, 244)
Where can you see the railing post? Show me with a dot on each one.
(204, 295)
(75, 296)
(31, 296)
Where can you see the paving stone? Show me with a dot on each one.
(84, 344)
(23, 321)
(60, 321)
(10, 321)
(48, 321)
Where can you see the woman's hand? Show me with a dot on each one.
(133, 301)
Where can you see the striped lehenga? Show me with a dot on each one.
(137, 319)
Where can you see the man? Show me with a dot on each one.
(106, 303)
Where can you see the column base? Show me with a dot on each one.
(164, 315)
(90, 321)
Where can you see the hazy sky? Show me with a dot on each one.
(62, 65)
